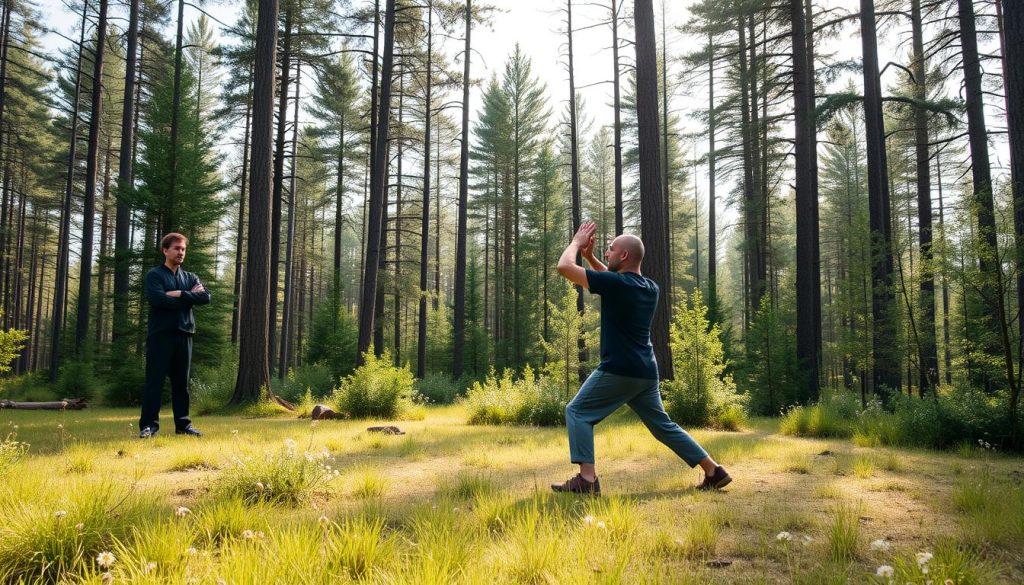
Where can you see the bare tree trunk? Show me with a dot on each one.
(92, 164)
(101, 276)
(289, 257)
(459, 339)
(619, 221)
(122, 221)
(421, 337)
(652, 206)
(374, 228)
(236, 292)
(712, 229)
(883, 311)
(253, 347)
(1013, 76)
(574, 170)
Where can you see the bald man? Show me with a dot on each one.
(628, 372)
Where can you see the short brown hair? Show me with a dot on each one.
(169, 240)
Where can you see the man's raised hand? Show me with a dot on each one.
(584, 237)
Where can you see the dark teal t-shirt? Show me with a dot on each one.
(628, 301)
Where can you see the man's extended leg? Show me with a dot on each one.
(648, 406)
(158, 360)
(180, 366)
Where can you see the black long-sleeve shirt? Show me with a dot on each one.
(171, 313)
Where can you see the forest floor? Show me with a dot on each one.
(448, 502)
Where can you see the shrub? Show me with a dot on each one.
(526, 401)
(316, 379)
(11, 451)
(439, 389)
(12, 341)
(127, 379)
(31, 387)
(332, 339)
(78, 379)
(284, 477)
(701, 393)
(211, 387)
(376, 389)
(819, 420)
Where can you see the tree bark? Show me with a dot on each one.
(574, 170)
(289, 256)
(883, 310)
(459, 316)
(619, 220)
(1013, 76)
(236, 292)
(91, 168)
(652, 206)
(122, 220)
(421, 337)
(253, 358)
(374, 228)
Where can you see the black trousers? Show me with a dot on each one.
(168, 353)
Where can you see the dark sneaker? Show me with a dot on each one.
(716, 481)
(578, 485)
(189, 430)
(147, 432)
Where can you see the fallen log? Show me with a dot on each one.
(63, 404)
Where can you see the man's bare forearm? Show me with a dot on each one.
(595, 264)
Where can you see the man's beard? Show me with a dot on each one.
(613, 264)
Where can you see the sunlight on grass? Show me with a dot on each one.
(864, 467)
(191, 461)
(843, 533)
(366, 482)
(992, 509)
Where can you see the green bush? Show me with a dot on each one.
(31, 387)
(702, 393)
(526, 401)
(316, 379)
(376, 389)
(818, 420)
(212, 387)
(78, 379)
(127, 379)
(440, 389)
(332, 339)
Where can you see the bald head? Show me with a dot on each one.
(625, 253)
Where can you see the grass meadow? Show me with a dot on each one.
(286, 500)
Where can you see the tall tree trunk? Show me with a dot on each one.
(101, 276)
(421, 337)
(459, 317)
(883, 310)
(946, 350)
(1013, 76)
(338, 226)
(652, 207)
(397, 329)
(927, 352)
(712, 229)
(574, 169)
(91, 168)
(749, 206)
(122, 221)
(168, 220)
(619, 221)
(236, 292)
(289, 257)
(808, 276)
(374, 228)
(279, 154)
(253, 347)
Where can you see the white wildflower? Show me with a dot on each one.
(588, 519)
(248, 534)
(880, 545)
(182, 511)
(784, 536)
(923, 558)
(150, 566)
(885, 572)
(324, 520)
(600, 524)
(80, 526)
(60, 514)
(105, 559)
(107, 578)
(191, 551)
(259, 486)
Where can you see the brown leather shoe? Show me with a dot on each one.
(716, 481)
(578, 485)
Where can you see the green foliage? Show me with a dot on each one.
(127, 379)
(526, 401)
(12, 341)
(376, 389)
(211, 387)
(952, 418)
(439, 389)
(332, 339)
(770, 372)
(702, 393)
(77, 379)
(567, 327)
(284, 477)
(315, 379)
(30, 387)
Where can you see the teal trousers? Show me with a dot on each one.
(602, 394)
